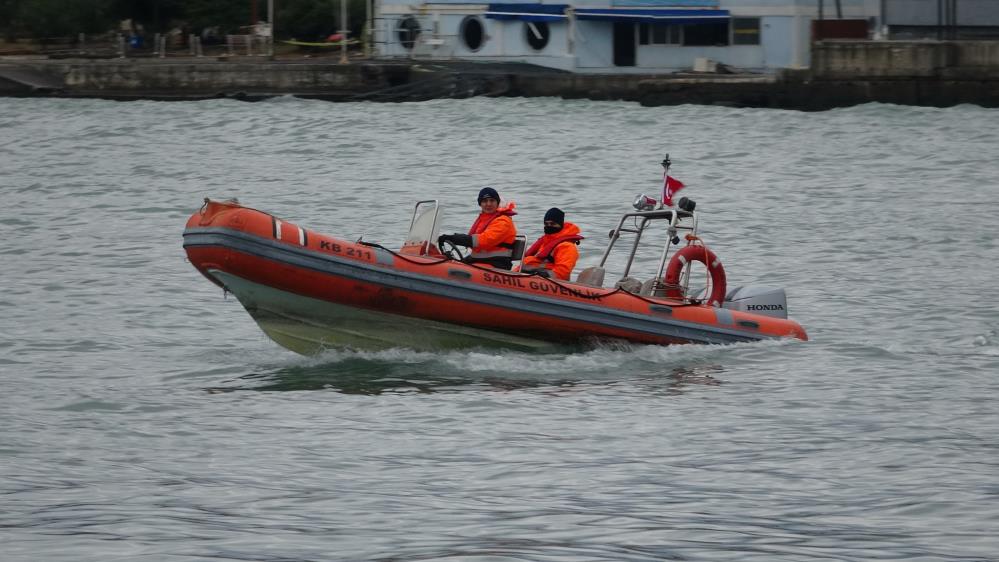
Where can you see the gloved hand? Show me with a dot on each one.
(459, 239)
(537, 270)
(443, 238)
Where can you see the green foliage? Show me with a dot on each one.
(8, 16)
(43, 19)
(302, 19)
(308, 20)
(228, 15)
(154, 15)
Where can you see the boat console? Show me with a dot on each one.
(422, 236)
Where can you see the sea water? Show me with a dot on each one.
(143, 415)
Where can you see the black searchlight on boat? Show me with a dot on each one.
(685, 204)
(644, 203)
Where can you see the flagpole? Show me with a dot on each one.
(270, 21)
(670, 230)
(666, 164)
(343, 31)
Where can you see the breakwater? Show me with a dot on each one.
(843, 73)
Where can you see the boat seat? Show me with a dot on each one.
(519, 246)
(647, 287)
(591, 276)
(629, 284)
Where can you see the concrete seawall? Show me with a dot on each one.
(881, 60)
(196, 78)
(843, 73)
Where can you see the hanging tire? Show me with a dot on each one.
(695, 253)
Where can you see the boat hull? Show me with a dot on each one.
(308, 291)
(308, 326)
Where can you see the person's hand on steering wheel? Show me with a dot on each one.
(448, 245)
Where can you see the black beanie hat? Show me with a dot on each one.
(555, 215)
(488, 193)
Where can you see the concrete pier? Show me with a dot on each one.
(197, 78)
(843, 73)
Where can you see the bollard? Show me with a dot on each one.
(198, 52)
(163, 41)
(81, 41)
(249, 45)
(190, 44)
(228, 44)
(121, 46)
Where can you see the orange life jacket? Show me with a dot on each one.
(545, 252)
(542, 249)
(493, 247)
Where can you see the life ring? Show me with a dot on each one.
(710, 261)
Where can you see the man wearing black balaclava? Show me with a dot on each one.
(555, 253)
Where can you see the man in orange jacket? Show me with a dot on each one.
(492, 235)
(555, 253)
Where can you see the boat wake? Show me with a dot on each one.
(987, 343)
(406, 370)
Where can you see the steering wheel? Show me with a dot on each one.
(450, 250)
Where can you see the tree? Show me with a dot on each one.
(303, 19)
(43, 19)
(9, 13)
(154, 15)
(316, 19)
(228, 15)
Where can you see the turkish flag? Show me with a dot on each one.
(670, 187)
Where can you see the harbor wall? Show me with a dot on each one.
(935, 73)
(844, 73)
(197, 78)
(852, 60)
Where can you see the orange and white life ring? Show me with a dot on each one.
(695, 252)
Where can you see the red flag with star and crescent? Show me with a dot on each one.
(670, 186)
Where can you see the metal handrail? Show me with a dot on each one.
(672, 215)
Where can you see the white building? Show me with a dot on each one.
(612, 36)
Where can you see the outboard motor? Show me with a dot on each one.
(769, 301)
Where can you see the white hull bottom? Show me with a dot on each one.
(309, 326)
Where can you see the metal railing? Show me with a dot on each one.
(158, 45)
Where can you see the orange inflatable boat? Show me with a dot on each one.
(310, 291)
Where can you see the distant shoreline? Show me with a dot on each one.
(828, 85)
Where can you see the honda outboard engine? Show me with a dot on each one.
(769, 301)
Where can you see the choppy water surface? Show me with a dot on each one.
(144, 416)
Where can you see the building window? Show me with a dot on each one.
(664, 34)
(409, 30)
(472, 33)
(705, 34)
(658, 34)
(745, 31)
(537, 34)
